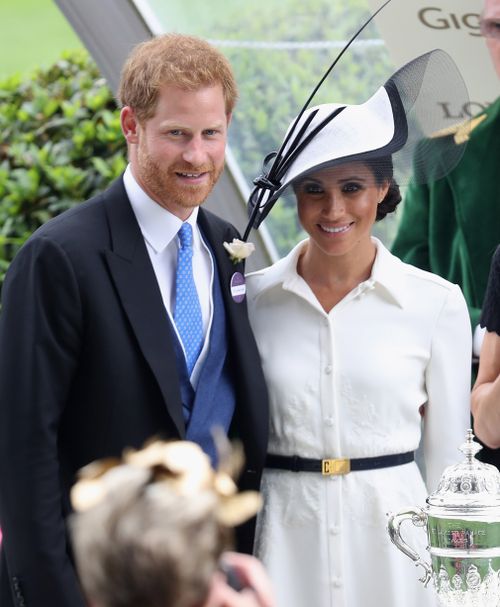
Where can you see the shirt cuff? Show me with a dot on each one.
(477, 339)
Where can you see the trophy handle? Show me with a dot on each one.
(419, 518)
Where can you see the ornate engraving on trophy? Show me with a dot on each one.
(462, 520)
(468, 588)
(457, 538)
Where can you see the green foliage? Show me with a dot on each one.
(61, 143)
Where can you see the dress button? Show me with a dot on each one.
(328, 369)
(329, 421)
(337, 582)
(335, 530)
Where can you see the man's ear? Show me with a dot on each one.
(129, 124)
(229, 116)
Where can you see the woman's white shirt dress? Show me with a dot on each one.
(349, 383)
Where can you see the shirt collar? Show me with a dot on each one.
(387, 275)
(158, 226)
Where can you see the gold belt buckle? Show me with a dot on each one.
(334, 467)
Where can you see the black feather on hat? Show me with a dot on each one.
(397, 122)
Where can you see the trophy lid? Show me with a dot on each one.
(470, 485)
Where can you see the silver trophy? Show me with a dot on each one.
(462, 520)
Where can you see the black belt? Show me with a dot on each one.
(329, 467)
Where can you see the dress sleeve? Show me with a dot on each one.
(447, 414)
(490, 315)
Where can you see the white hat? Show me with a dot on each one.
(395, 122)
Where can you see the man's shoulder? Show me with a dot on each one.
(81, 212)
(85, 219)
(493, 112)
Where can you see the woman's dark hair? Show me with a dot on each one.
(384, 173)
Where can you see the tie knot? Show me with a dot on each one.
(185, 235)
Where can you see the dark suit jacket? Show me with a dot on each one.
(87, 368)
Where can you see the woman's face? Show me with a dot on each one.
(337, 207)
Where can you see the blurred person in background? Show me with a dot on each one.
(451, 226)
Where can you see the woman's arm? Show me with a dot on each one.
(486, 392)
(447, 415)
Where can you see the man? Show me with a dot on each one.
(452, 226)
(119, 323)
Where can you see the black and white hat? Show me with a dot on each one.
(399, 121)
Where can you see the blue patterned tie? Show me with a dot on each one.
(187, 313)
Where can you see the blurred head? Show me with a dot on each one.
(490, 28)
(147, 548)
(148, 530)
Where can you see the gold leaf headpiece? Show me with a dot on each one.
(179, 467)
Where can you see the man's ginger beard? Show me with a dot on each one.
(164, 185)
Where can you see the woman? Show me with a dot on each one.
(486, 392)
(363, 355)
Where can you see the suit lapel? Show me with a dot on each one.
(252, 404)
(216, 233)
(138, 290)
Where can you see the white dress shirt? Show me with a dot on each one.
(159, 228)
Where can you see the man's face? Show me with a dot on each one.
(490, 27)
(177, 155)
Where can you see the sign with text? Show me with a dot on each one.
(413, 27)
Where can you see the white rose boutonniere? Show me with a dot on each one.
(239, 250)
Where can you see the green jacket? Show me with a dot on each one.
(452, 226)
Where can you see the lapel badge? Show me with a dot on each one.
(238, 287)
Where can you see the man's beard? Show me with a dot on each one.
(165, 187)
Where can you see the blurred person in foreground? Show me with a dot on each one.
(119, 320)
(376, 345)
(153, 530)
(451, 226)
